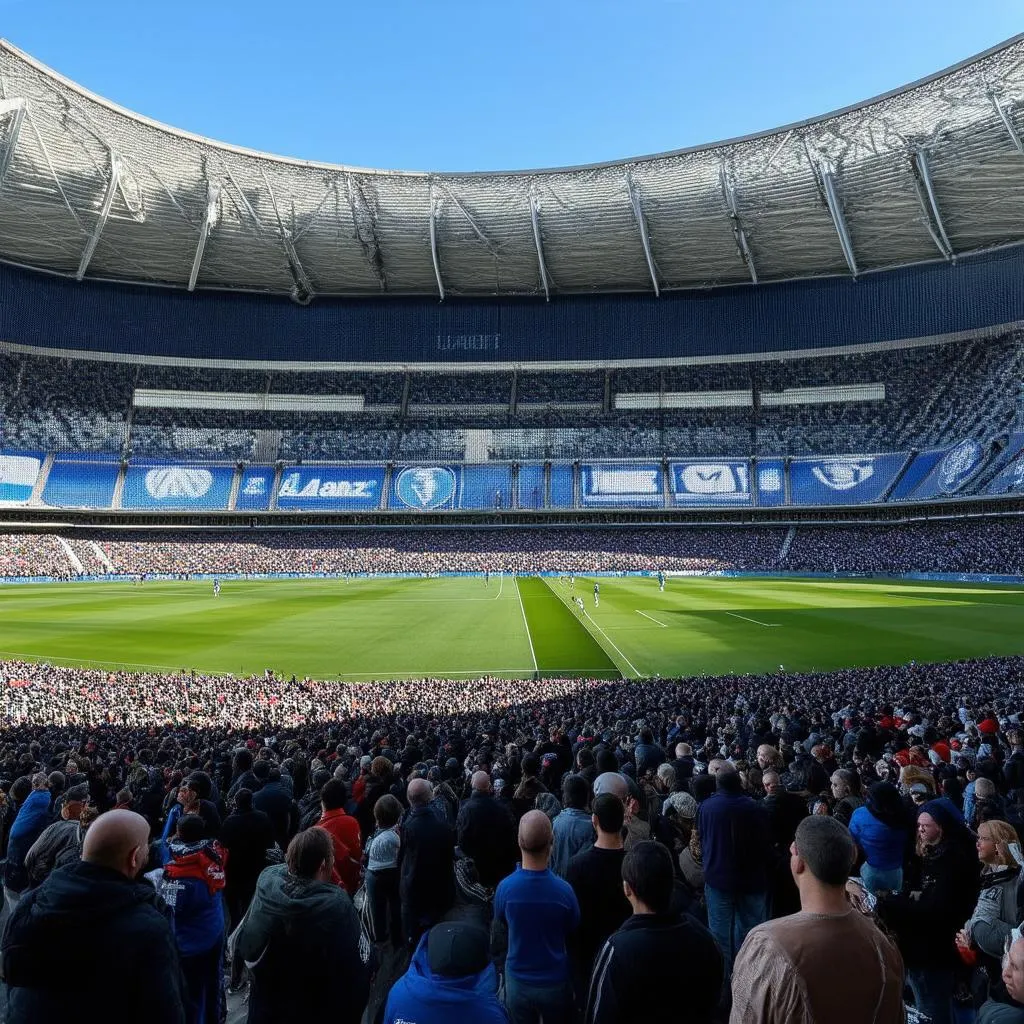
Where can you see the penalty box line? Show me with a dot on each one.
(757, 622)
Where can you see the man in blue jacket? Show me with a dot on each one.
(450, 980)
(32, 820)
(736, 847)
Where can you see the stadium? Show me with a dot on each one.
(331, 460)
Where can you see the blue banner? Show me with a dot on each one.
(19, 472)
(725, 482)
(562, 485)
(1010, 479)
(331, 487)
(956, 468)
(920, 466)
(425, 488)
(843, 479)
(177, 485)
(531, 486)
(486, 486)
(771, 482)
(255, 488)
(74, 484)
(628, 485)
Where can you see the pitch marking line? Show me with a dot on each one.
(756, 622)
(529, 638)
(632, 667)
(651, 617)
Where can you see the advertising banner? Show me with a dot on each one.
(956, 468)
(74, 484)
(561, 485)
(330, 487)
(425, 488)
(486, 486)
(771, 482)
(1010, 479)
(723, 482)
(177, 485)
(626, 485)
(843, 479)
(18, 475)
(531, 486)
(255, 488)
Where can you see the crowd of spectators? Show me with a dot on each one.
(934, 396)
(765, 849)
(977, 546)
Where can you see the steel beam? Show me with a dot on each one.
(302, 291)
(435, 205)
(641, 223)
(17, 108)
(1004, 116)
(729, 192)
(104, 215)
(366, 228)
(210, 219)
(535, 218)
(926, 193)
(835, 207)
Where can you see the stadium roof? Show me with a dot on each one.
(928, 172)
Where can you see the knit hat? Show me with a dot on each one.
(456, 949)
(942, 816)
(683, 805)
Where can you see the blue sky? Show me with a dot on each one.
(482, 84)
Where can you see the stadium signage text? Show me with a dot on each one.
(292, 487)
(468, 342)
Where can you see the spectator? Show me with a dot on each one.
(736, 851)
(344, 832)
(60, 842)
(881, 829)
(846, 794)
(995, 1011)
(938, 896)
(540, 913)
(247, 835)
(450, 980)
(193, 797)
(274, 799)
(595, 875)
(32, 819)
(382, 871)
(786, 971)
(572, 828)
(425, 879)
(647, 754)
(785, 811)
(487, 832)
(300, 930)
(628, 985)
(192, 886)
(996, 912)
(97, 908)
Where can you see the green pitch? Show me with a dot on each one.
(377, 628)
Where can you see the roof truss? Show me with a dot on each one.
(113, 183)
(641, 223)
(210, 218)
(835, 208)
(435, 207)
(930, 205)
(16, 108)
(535, 220)
(729, 192)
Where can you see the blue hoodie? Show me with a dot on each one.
(33, 817)
(422, 997)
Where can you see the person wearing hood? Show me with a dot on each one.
(881, 829)
(98, 908)
(995, 914)
(192, 886)
(450, 980)
(302, 929)
(938, 895)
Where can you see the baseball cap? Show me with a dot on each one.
(611, 782)
(456, 949)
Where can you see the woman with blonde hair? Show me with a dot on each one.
(995, 915)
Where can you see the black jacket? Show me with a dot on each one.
(656, 967)
(425, 879)
(123, 950)
(246, 837)
(275, 800)
(487, 833)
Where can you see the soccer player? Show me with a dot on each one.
(487, 577)
(216, 588)
(661, 581)
(597, 594)
(572, 583)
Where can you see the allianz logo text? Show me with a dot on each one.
(293, 487)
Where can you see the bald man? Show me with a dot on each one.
(125, 958)
(487, 832)
(426, 879)
(540, 911)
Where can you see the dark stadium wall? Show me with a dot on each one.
(922, 301)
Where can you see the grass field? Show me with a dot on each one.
(378, 628)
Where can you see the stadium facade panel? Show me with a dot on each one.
(977, 294)
(929, 172)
